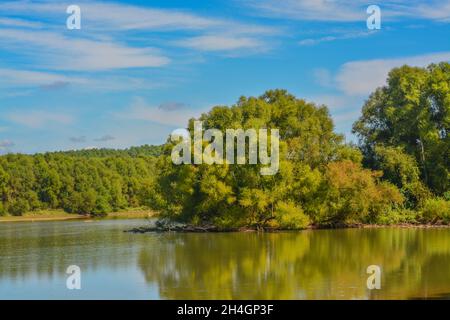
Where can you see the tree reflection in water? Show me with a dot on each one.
(320, 264)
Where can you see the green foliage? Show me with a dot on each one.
(18, 206)
(291, 216)
(412, 113)
(436, 210)
(320, 179)
(397, 216)
(141, 151)
(354, 194)
(78, 181)
(402, 170)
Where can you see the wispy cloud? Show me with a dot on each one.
(350, 35)
(56, 51)
(13, 22)
(351, 10)
(104, 15)
(361, 77)
(109, 16)
(220, 43)
(13, 77)
(114, 37)
(39, 119)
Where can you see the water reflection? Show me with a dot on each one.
(325, 264)
(48, 248)
(321, 264)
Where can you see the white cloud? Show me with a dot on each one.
(35, 78)
(128, 17)
(351, 35)
(220, 43)
(114, 16)
(309, 9)
(352, 10)
(362, 77)
(59, 52)
(20, 79)
(39, 119)
(100, 18)
(12, 22)
(106, 15)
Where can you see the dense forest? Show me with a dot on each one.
(95, 181)
(398, 173)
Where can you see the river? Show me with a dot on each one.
(312, 264)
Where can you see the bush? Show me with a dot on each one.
(436, 210)
(290, 216)
(355, 194)
(396, 216)
(102, 207)
(18, 207)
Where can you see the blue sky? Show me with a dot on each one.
(136, 70)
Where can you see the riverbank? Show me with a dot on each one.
(60, 215)
(165, 226)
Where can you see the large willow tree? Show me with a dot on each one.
(320, 179)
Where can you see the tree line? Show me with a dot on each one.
(398, 173)
(85, 182)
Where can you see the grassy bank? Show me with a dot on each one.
(60, 215)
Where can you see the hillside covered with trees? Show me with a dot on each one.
(399, 172)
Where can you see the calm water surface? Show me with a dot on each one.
(321, 264)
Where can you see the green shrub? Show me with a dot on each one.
(290, 216)
(18, 207)
(102, 207)
(447, 196)
(436, 210)
(396, 216)
(231, 219)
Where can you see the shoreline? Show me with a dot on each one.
(62, 216)
(38, 219)
(181, 228)
(215, 229)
